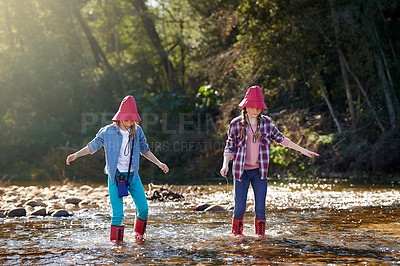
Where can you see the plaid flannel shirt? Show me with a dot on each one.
(237, 147)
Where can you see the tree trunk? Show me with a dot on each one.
(115, 34)
(98, 54)
(88, 59)
(331, 110)
(389, 104)
(342, 67)
(150, 28)
(388, 75)
(361, 88)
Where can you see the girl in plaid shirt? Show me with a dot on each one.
(248, 145)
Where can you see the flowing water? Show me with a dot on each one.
(307, 223)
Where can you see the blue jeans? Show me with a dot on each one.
(138, 195)
(242, 187)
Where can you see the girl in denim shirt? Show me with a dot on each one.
(248, 145)
(117, 140)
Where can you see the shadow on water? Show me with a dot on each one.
(323, 224)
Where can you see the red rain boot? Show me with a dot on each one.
(117, 234)
(237, 227)
(140, 229)
(259, 226)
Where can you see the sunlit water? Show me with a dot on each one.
(318, 223)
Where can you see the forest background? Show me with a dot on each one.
(329, 71)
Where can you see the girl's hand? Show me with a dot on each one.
(163, 167)
(309, 153)
(71, 157)
(224, 170)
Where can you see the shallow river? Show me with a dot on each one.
(310, 223)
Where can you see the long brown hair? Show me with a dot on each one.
(244, 124)
(133, 127)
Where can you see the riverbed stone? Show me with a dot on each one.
(215, 208)
(60, 213)
(73, 200)
(11, 199)
(86, 188)
(36, 203)
(18, 212)
(201, 207)
(70, 206)
(2, 215)
(39, 212)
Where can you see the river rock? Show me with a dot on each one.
(17, 212)
(73, 200)
(2, 215)
(60, 213)
(70, 206)
(86, 188)
(100, 215)
(201, 207)
(39, 212)
(36, 203)
(215, 208)
(11, 199)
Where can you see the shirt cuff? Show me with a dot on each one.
(285, 142)
(230, 155)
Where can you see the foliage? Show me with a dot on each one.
(188, 64)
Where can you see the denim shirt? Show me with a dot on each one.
(110, 138)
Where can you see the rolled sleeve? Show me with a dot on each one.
(230, 155)
(143, 146)
(285, 142)
(97, 142)
(230, 142)
(276, 135)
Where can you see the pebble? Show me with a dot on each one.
(17, 212)
(39, 212)
(201, 207)
(36, 203)
(73, 200)
(215, 208)
(61, 213)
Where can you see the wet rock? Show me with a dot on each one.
(60, 213)
(2, 215)
(100, 216)
(88, 204)
(73, 200)
(11, 199)
(215, 208)
(70, 206)
(161, 193)
(39, 212)
(17, 212)
(201, 207)
(86, 188)
(36, 203)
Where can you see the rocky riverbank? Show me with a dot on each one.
(64, 200)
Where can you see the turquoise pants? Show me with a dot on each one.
(138, 195)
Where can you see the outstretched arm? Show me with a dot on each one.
(152, 158)
(82, 152)
(290, 144)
